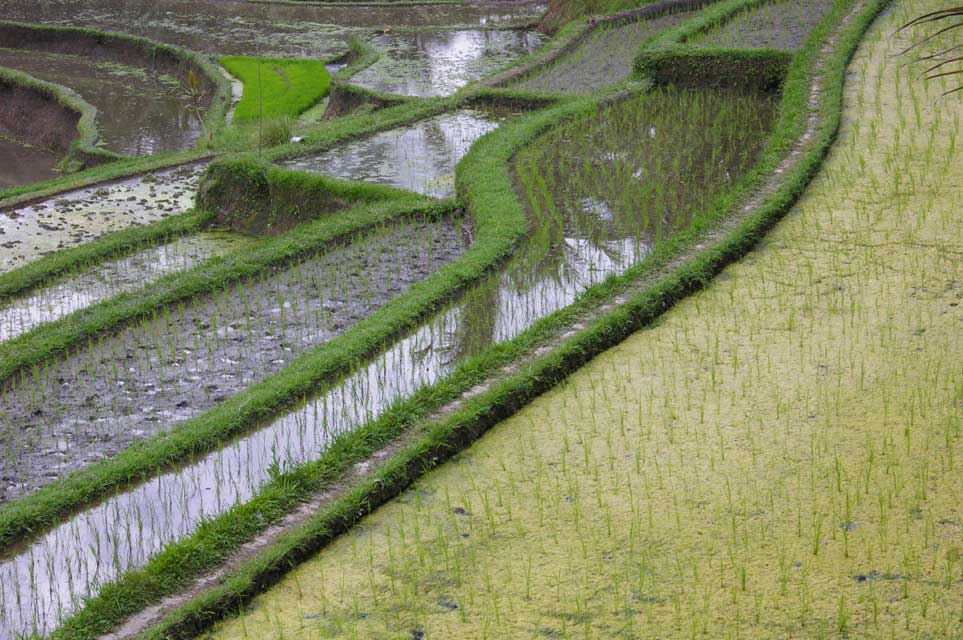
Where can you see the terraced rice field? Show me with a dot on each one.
(764, 458)
(593, 355)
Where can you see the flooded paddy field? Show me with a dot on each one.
(182, 361)
(596, 234)
(111, 278)
(30, 231)
(419, 157)
(139, 112)
(23, 164)
(780, 24)
(438, 63)
(236, 27)
(778, 456)
(604, 58)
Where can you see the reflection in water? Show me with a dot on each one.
(111, 278)
(229, 27)
(594, 235)
(140, 112)
(420, 157)
(20, 164)
(439, 63)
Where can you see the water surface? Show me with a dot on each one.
(672, 154)
(139, 112)
(420, 157)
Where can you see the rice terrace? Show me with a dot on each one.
(483, 319)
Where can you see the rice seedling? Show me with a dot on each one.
(171, 507)
(774, 24)
(277, 87)
(183, 360)
(88, 285)
(779, 456)
(603, 59)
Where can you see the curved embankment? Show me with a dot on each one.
(778, 456)
(532, 362)
(213, 90)
(369, 484)
(484, 187)
(44, 115)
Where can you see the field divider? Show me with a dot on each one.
(599, 319)
(497, 232)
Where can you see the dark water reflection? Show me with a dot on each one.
(140, 113)
(594, 235)
(20, 164)
(238, 27)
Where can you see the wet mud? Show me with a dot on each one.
(112, 278)
(139, 112)
(22, 164)
(181, 362)
(232, 27)
(69, 219)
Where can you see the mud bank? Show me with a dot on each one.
(33, 114)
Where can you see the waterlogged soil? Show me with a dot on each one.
(126, 387)
(69, 219)
(605, 58)
(777, 457)
(439, 63)
(421, 157)
(229, 27)
(550, 270)
(112, 278)
(23, 164)
(778, 25)
(139, 112)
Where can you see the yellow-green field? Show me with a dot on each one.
(780, 457)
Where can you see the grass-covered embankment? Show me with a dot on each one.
(275, 87)
(670, 280)
(49, 116)
(778, 456)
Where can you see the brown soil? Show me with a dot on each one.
(36, 117)
(106, 48)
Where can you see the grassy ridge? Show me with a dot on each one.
(448, 436)
(277, 87)
(87, 135)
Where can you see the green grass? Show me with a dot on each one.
(277, 87)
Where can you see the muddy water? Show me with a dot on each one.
(21, 164)
(439, 63)
(140, 113)
(72, 218)
(127, 387)
(596, 235)
(420, 157)
(112, 278)
(237, 27)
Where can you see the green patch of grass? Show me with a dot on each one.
(277, 87)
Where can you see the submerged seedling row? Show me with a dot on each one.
(108, 279)
(186, 358)
(570, 249)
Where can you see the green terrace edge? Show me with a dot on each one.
(87, 133)
(484, 182)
